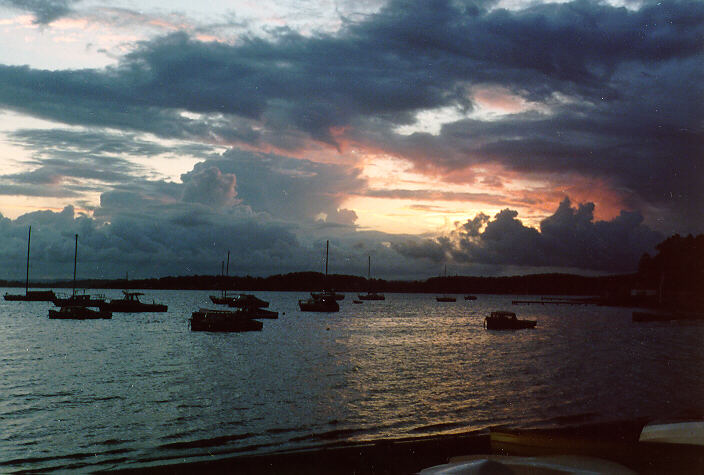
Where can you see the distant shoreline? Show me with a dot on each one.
(548, 284)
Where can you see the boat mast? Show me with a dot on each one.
(75, 258)
(327, 248)
(227, 275)
(26, 282)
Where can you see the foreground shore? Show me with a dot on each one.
(613, 441)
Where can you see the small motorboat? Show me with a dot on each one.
(470, 297)
(371, 296)
(79, 300)
(131, 303)
(78, 313)
(328, 293)
(223, 321)
(319, 303)
(446, 298)
(245, 301)
(503, 320)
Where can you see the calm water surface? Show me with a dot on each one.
(142, 389)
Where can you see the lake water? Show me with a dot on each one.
(143, 389)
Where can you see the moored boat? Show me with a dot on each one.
(78, 313)
(31, 295)
(470, 297)
(370, 295)
(323, 303)
(131, 303)
(78, 300)
(446, 298)
(245, 301)
(223, 321)
(503, 320)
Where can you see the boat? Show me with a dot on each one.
(370, 295)
(246, 301)
(322, 303)
(76, 306)
(76, 312)
(470, 297)
(332, 294)
(503, 320)
(325, 301)
(256, 312)
(445, 298)
(223, 321)
(357, 301)
(636, 444)
(31, 295)
(131, 303)
(79, 300)
(223, 299)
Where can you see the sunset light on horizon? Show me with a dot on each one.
(419, 132)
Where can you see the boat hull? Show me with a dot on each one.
(318, 305)
(32, 296)
(446, 299)
(78, 313)
(371, 296)
(223, 321)
(511, 325)
(131, 307)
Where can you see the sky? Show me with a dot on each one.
(488, 137)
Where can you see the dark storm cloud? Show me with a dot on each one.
(570, 238)
(44, 11)
(623, 88)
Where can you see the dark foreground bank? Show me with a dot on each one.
(616, 441)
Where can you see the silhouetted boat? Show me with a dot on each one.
(78, 313)
(247, 301)
(76, 306)
(503, 320)
(223, 321)
(446, 298)
(256, 312)
(223, 299)
(325, 301)
(330, 294)
(321, 303)
(470, 297)
(31, 295)
(131, 303)
(370, 295)
(79, 300)
(653, 448)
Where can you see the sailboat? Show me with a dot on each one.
(130, 303)
(324, 301)
(370, 295)
(73, 310)
(223, 299)
(31, 295)
(446, 298)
